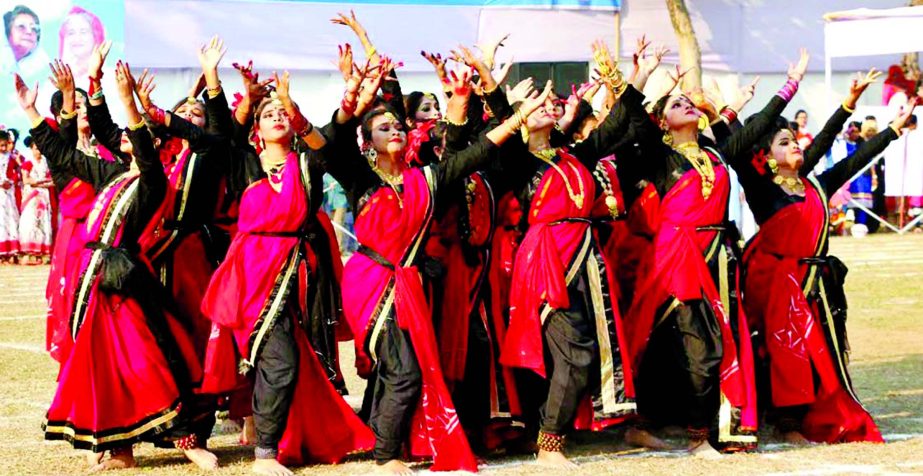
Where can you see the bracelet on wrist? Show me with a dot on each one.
(135, 127)
(68, 115)
(454, 123)
(847, 108)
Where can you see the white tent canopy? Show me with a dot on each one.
(866, 32)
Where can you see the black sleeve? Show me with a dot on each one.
(722, 132)
(184, 129)
(106, 131)
(603, 140)
(152, 185)
(68, 130)
(737, 147)
(344, 162)
(839, 174)
(456, 164)
(218, 116)
(66, 157)
(499, 106)
(456, 136)
(824, 140)
(584, 110)
(392, 94)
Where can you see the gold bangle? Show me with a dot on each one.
(456, 124)
(895, 129)
(370, 52)
(68, 115)
(137, 126)
(213, 93)
(488, 91)
(38, 121)
(847, 108)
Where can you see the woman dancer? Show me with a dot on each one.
(259, 294)
(562, 323)
(9, 208)
(691, 345)
(793, 290)
(132, 364)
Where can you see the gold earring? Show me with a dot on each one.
(667, 138)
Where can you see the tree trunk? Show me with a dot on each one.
(690, 56)
(911, 61)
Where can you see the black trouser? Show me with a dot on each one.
(275, 375)
(571, 351)
(393, 393)
(678, 382)
(472, 395)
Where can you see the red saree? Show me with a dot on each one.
(74, 203)
(395, 227)
(116, 386)
(677, 270)
(797, 328)
(558, 245)
(266, 264)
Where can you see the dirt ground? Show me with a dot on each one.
(886, 333)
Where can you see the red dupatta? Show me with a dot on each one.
(676, 271)
(395, 226)
(552, 249)
(799, 345)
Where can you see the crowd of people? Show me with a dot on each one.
(526, 265)
(27, 206)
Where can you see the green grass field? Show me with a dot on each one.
(886, 333)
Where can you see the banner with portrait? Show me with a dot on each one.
(38, 31)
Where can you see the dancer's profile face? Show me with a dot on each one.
(542, 118)
(80, 103)
(274, 124)
(194, 113)
(786, 151)
(428, 109)
(679, 112)
(388, 135)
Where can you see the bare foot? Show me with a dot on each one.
(94, 459)
(644, 439)
(795, 438)
(120, 460)
(248, 432)
(270, 467)
(554, 459)
(703, 449)
(394, 467)
(202, 458)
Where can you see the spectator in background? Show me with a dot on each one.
(9, 211)
(23, 32)
(337, 207)
(802, 135)
(81, 32)
(35, 233)
(862, 187)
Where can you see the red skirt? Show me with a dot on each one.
(65, 263)
(116, 387)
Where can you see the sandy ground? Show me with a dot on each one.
(885, 326)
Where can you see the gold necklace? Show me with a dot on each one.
(393, 181)
(701, 163)
(547, 156)
(612, 203)
(790, 184)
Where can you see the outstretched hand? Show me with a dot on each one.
(520, 91)
(906, 111)
(125, 82)
(350, 21)
(144, 87)
(489, 49)
(535, 100)
(859, 84)
(24, 95)
(62, 77)
(796, 71)
(256, 89)
(345, 60)
(210, 54)
(98, 58)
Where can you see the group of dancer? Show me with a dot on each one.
(27, 207)
(527, 266)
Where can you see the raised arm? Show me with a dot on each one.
(603, 140)
(824, 139)
(60, 154)
(737, 148)
(461, 163)
(845, 169)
